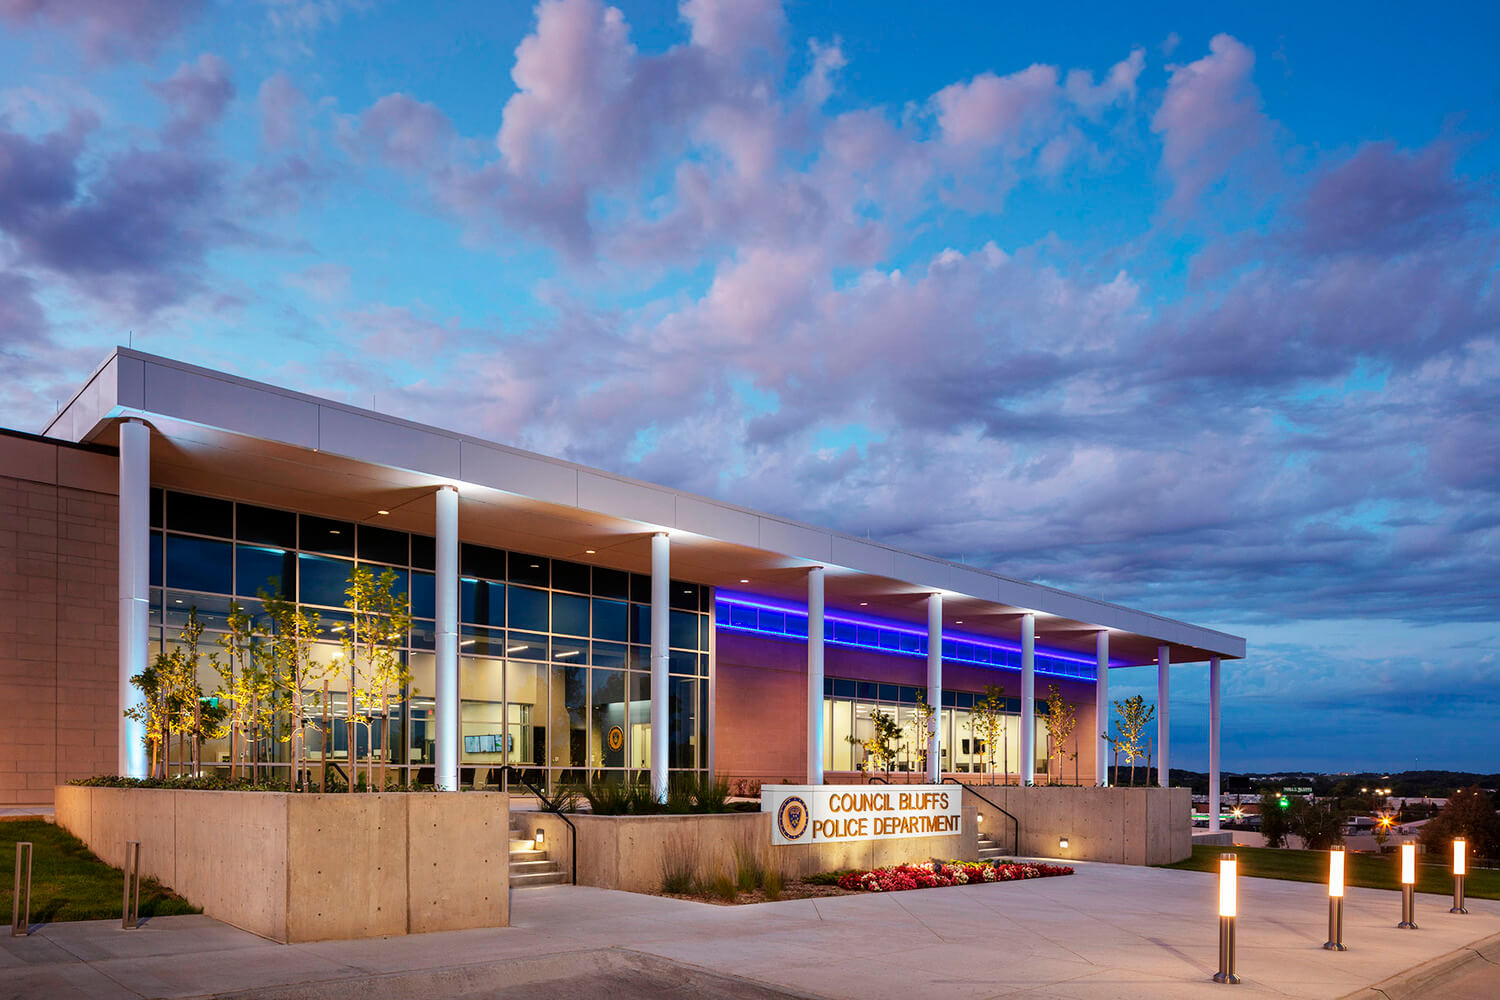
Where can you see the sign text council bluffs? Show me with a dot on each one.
(811, 814)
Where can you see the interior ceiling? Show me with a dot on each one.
(204, 460)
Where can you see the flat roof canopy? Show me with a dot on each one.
(223, 435)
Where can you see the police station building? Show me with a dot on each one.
(576, 624)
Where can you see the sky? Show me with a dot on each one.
(1191, 309)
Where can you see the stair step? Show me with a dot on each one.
(524, 856)
(526, 867)
(538, 878)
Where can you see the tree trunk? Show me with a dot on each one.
(385, 735)
(353, 730)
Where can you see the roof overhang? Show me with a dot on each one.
(223, 435)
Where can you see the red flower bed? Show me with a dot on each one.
(931, 876)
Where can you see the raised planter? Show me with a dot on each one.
(309, 867)
(626, 852)
(1126, 826)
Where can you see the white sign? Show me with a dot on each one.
(820, 814)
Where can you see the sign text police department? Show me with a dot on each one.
(813, 814)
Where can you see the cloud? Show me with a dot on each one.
(402, 131)
(1210, 121)
(131, 231)
(282, 106)
(197, 93)
(107, 29)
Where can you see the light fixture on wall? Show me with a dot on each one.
(1460, 869)
(1335, 940)
(1227, 905)
(1408, 886)
(541, 836)
(1062, 843)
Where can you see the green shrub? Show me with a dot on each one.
(711, 794)
(827, 878)
(723, 886)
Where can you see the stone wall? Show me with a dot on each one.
(627, 852)
(311, 867)
(59, 582)
(1127, 826)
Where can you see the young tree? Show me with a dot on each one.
(151, 712)
(1320, 824)
(921, 726)
(293, 673)
(1062, 719)
(1134, 716)
(987, 722)
(1470, 813)
(376, 636)
(1275, 824)
(238, 672)
(880, 749)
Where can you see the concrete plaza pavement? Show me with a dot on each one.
(1108, 931)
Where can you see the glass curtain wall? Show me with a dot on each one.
(849, 707)
(554, 656)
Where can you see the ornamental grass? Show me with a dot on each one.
(937, 874)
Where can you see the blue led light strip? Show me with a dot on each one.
(1000, 655)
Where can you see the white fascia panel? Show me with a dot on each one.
(385, 442)
(862, 556)
(514, 472)
(620, 498)
(795, 540)
(230, 405)
(713, 520)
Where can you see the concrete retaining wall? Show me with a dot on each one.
(311, 867)
(627, 852)
(1128, 826)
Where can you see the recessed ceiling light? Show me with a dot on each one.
(959, 622)
(742, 580)
(382, 513)
(179, 600)
(536, 565)
(588, 552)
(864, 604)
(334, 531)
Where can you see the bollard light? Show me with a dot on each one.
(1460, 869)
(1335, 940)
(1227, 905)
(1408, 886)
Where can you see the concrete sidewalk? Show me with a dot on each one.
(1108, 931)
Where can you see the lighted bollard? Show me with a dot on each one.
(20, 912)
(1335, 940)
(1408, 886)
(1460, 869)
(1227, 905)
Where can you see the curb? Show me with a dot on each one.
(1431, 973)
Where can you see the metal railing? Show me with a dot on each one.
(510, 769)
(1015, 823)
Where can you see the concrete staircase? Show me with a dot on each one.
(988, 849)
(529, 864)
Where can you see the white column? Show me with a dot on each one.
(816, 737)
(1101, 708)
(445, 709)
(935, 687)
(1213, 744)
(1163, 716)
(661, 573)
(135, 587)
(1028, 699)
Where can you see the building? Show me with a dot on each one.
(576, 624)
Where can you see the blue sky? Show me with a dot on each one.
(1188, 308)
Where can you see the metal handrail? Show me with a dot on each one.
(551, 807)
(1015, 823)
(875, 779)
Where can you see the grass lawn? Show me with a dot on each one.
(68, 882)
(1369, 871)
